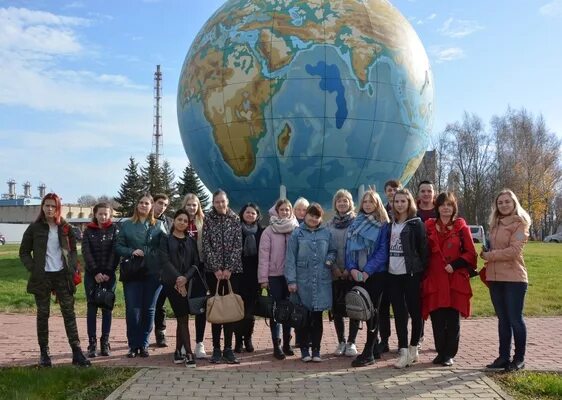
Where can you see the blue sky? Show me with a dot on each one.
(76, 86)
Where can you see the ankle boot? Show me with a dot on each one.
(45, 357)
(277, 351)
(287, 345)
(104, 346)
(238, 343)
(248, 337)
(78, 358)
(92, 347)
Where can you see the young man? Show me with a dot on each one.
(426, 194)
(390, 188)
(161, 203)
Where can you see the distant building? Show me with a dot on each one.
(25, 214)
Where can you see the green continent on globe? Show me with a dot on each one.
(238, 61)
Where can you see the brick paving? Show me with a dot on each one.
(261, 376)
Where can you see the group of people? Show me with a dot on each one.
(416, 256)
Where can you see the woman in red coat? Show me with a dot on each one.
(446, 288)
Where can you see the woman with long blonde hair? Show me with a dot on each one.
(506, 276)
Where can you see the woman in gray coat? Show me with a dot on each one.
(308, 270)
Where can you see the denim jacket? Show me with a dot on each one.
(305, 264)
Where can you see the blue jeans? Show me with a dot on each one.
(508, 299)
(140, 305)
(92, 313)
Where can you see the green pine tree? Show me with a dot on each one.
(131, 189)
(167, 177)
(189, 182)
(151, 175)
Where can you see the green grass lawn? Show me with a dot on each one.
(531, 385)
(32, 383)
(544, 262)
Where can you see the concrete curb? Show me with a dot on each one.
(116, 394)
(495, 387)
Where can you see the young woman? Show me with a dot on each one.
(344, 214)
(140, 237)
(250, 217)
(446, 290)
(407, 261)
(301, 205)
(48, 252)
(271, 268)
(222, 252)
(192, 205)
(366, 259)
(98, 250)
(506, 275)
(308, 270)
(178, 254)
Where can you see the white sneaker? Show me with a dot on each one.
(420, 343)
(413, 354)
(403, 360)
(350, 350)
(200, 351)
(340, 349)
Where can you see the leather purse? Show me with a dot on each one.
(197, 305)
(103, 298)
(225, 308)
(291, 312)
(132, 269)
(264, 304)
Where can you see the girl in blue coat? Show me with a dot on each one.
(366, 259)
(308, 270)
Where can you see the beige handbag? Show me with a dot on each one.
(225, 308)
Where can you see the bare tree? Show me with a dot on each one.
(86, 200)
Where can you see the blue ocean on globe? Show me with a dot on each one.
(311, 96)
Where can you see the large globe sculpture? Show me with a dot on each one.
(309, 96)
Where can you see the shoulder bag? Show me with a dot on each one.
(225, 308)
(103, 298)
(264, 304)
(133, 268)
(197, 305)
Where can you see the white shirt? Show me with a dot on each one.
(53, 259)
(397, 263)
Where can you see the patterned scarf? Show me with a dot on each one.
(343, 221)
(363, 233)
(283, 225)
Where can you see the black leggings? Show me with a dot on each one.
(217, 328)
(312, 333)
(446, 323)
(405, 297)
(374, 285)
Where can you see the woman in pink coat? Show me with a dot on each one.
(271, 268)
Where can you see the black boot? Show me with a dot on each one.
(238, 343)
(45, 358)
(277, 351)
(287, 345)
(78, 358)
(248, 336)
(92, 347)
(104, 346)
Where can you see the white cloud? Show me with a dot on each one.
(551, 9)
(458, 28)
(443, 54)
(421, 21)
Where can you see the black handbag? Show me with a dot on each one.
(264, 304)
(291, 312)
(102, 297)
(132, 269)
(197, 305)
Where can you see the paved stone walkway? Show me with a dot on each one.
(261, 376)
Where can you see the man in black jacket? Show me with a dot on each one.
(161, 203)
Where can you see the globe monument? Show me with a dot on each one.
(301, 98)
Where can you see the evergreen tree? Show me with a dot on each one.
(151, 175)
(167, 177)
(189, 182)
(131, 189)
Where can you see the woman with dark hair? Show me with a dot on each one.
(250, 217)
(222, 252)
(366, 259)
(192, 205)
(308, 270)
(101, 261)
(507, 278)
(178, 256)
(140, 237)
(48, 252)
(446, 290)
(407, 261)
(271, 268)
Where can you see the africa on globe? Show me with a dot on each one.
(311, 95)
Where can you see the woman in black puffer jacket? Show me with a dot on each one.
(101, 262)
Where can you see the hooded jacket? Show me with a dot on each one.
(505, 261)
